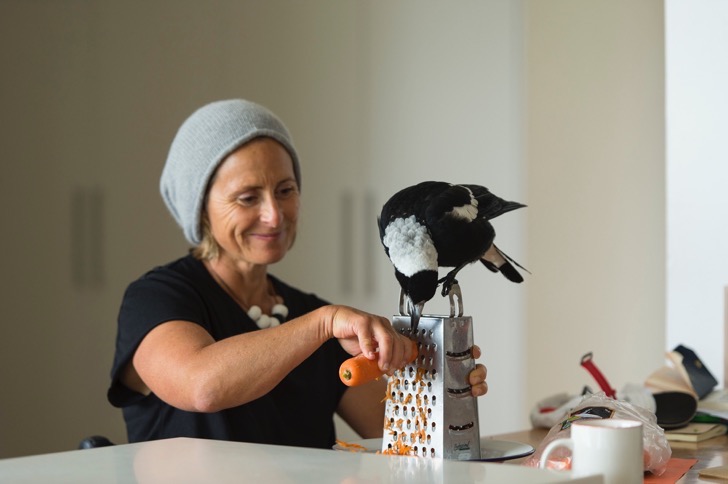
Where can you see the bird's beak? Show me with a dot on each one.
(415, 314)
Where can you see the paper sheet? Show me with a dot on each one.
(720, 472)
(676, 468)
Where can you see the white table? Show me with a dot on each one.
(184, 460)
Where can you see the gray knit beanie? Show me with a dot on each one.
(204, 140)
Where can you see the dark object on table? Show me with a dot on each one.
(700, 377)
(95, 441)
(674, 409)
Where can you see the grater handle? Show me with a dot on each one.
(455, 293)
(402, 303)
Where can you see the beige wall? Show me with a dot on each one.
(92, 93)
(557, 104)
(596, 185)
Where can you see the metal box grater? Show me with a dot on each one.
(430, 411)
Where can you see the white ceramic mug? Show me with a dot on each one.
(610, 447)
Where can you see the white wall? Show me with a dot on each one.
(697, 176)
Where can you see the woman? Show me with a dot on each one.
(200, 349)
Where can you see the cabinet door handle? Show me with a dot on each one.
(87, 250)
(346, 264)
(371, 243)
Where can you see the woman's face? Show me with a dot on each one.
(253, 203)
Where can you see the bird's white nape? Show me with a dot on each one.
(410, 246)
(467, 212)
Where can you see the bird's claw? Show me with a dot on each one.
(447, 285)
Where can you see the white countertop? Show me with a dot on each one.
(184, 460)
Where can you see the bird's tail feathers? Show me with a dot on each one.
(491, 267)
(511, 273)
(510, 259)
(506, 267)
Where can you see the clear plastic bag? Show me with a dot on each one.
(656, 447)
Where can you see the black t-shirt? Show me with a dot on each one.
(298, 411)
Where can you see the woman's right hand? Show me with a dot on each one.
(362, 332)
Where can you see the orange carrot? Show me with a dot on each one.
(358, 370)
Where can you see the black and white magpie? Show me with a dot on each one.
(437, 224)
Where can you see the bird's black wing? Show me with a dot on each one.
(447, 203)
(491, 206)
(413, 200)
(459, 232)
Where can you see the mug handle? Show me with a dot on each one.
(565, 442)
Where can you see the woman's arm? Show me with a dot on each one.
(181, 363)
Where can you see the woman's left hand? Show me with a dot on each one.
(476, 378)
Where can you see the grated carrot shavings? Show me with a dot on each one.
(398, 448)
(420, 375)
(351, 447)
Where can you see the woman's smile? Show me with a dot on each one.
(266, 237)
